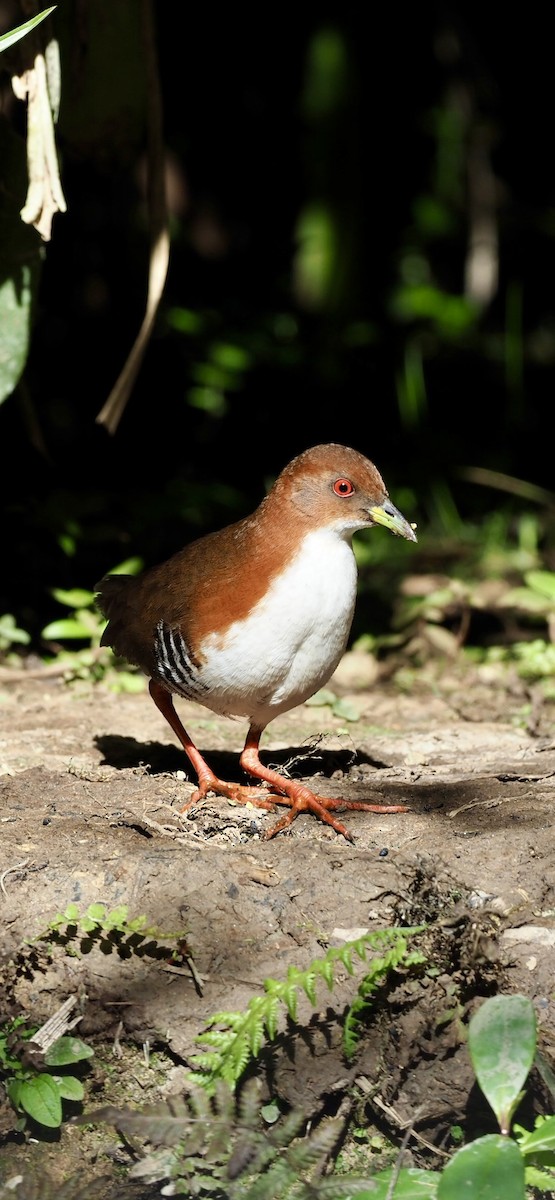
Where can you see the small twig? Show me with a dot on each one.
(57, 1025)
(111, 412)
(19, 675)
(10, 870)
(394, 1116)
(116, 1047)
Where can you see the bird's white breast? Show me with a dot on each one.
(292, 640)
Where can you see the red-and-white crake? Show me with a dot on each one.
(252, 620)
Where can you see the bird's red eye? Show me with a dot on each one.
(343, 487)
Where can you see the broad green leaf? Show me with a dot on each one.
(14, 1091)
(540, 1139)
(410, 1184)
(346, 710)
(69, 1087)
(15, 309)
(40, 1098)
(67, 1050)
(76, 598)
(230, 357)
(502, 1044)
(10, 633)
(491, 1168)
(323, 696)
(131, 566)
(524, 598)
(68, 627)
(9, 39)
(542, 582)
(22, 251)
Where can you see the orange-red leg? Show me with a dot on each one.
(295, 795)
(207, 781)
(298, 796)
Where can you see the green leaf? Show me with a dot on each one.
(525, 599)
(66, 628)
(131, 566)
(491, 1168)
(323, 696)
(10, 633)
(502, 1045)
(97, 912)
(534, 1177)
(13, 1089)
(411, 1183)
(9, 39)
(346, 710)
(75, 598)
(540, 1139)
(40, 1098)
(67, 1050)
(15, 310)
(230, 357)
(542, 582)
(117, 917)
(22, 253)
(69, 1087)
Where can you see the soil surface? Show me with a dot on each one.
(91, 787)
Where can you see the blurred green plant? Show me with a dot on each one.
(32, 1089)
(86, 624)
(339, 706)
(10, 634)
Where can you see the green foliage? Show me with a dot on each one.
(32, 1090)
(113, 930)
(86, 624)
(21, 262)
(9, 39)
(220, 1146)
(339, 706)
(502, 1047)
(398, 955)
(10, 635)
(502, 1044)
(21, 245)
(491, 1167)
(241, 1035)
(28, 1185)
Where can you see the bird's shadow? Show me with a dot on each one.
(163, 759)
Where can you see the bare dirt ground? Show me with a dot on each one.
(91, 786)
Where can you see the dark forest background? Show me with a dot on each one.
(362, 208)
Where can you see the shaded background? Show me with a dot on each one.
(363, 229)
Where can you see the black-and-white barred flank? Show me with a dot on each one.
(174, 664)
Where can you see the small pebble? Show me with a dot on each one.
(384, 852)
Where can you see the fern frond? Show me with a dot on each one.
(242, 1034)
(314, 1150)
(380, 968)
(271, 1017)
